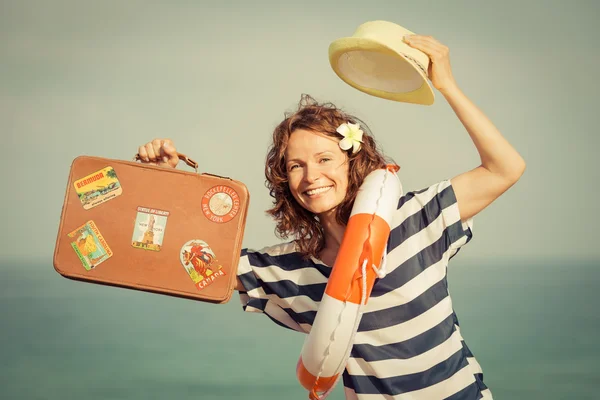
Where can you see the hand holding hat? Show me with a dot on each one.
(439, 71)
(377, 61)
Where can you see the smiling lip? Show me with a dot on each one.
(317, 191)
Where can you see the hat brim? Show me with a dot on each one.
(423, 95)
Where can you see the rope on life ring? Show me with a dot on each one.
(360, 260)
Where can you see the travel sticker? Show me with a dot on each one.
(90, 246)
(149, 228)
(200, 263)
(220, 204)
(98, 187)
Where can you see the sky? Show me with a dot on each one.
(102, 78)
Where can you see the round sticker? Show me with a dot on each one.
(220, 204)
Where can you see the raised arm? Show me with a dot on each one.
(501, 165)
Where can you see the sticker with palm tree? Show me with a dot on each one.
(98, 187)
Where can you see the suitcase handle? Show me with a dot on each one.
(181, 156)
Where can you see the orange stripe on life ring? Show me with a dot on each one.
(308, 380)
(342, 283)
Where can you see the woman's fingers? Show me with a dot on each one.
(439, 70)
(161, 152)
(427, 45)
(142, 153)
(422, 38)
(151, 151)
(151, 155)
(157, 148)
(169, 154)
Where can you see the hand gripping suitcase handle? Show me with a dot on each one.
(181, 156)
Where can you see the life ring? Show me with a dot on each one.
(358, 263)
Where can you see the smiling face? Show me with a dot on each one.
(317, 171)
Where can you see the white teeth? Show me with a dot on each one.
(317, 191)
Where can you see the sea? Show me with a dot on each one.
(534, 326)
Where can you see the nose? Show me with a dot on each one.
(311, 173)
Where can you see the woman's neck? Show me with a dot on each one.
(333, 231)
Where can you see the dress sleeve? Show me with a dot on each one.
(435, 208)
(260, 294)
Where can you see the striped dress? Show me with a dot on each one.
(409, 344)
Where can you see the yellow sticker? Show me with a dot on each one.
(98, 187)
(90, 246)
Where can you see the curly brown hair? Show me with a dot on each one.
(292, 219)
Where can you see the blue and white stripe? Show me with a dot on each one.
(408, 344)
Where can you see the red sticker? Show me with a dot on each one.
(201, 263)
(220, 204)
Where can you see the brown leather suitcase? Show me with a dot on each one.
(144, 227)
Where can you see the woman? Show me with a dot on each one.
(408, 343)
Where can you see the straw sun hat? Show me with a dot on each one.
(376, 61)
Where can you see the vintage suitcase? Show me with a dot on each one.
(151, 228)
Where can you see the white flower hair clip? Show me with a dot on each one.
(352, 136)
